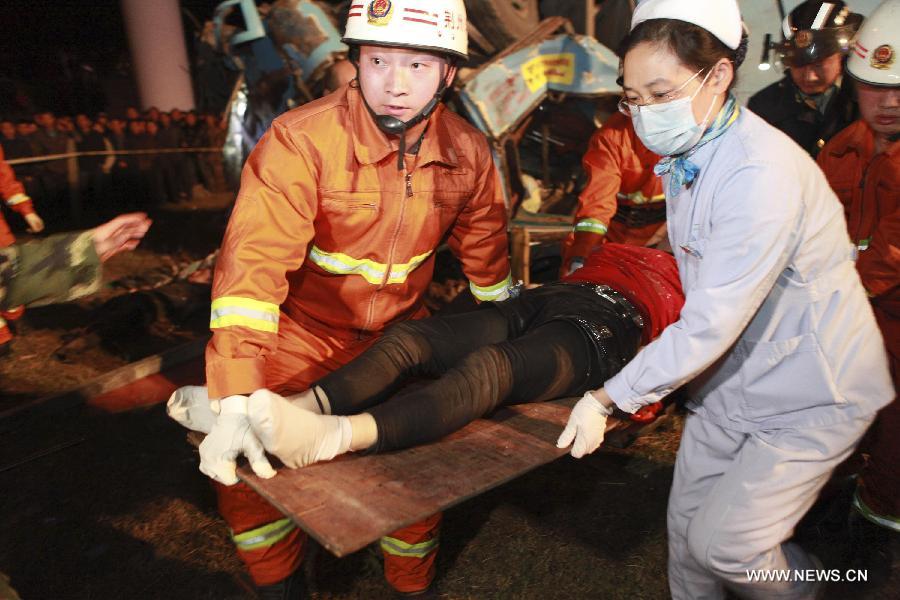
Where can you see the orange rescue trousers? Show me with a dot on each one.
(270, 544)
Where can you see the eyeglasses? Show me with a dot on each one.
(628, 108)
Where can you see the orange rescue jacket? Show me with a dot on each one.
(12, 190)
(620, 171)
(868, 185)
(327, 230)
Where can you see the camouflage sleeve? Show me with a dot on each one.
(56, 269)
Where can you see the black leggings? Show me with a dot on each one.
(483, 359)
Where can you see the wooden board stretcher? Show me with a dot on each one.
(354, 500)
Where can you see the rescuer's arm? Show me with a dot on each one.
(479, 237)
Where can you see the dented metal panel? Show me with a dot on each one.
(506, 91)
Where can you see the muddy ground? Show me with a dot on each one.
(96, 505)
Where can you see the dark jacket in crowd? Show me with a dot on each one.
(92, 141)
(170, 137)
(16, 148)
(51, 142)
(783, 106)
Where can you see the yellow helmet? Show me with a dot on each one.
(436, 25)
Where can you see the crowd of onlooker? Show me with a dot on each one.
(89, 188)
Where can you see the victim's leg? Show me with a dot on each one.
(552, 361)
(300, 435)
(426, 347)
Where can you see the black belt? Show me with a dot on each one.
(639, 215)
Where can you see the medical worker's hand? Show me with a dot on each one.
(586, 425)
(230, 437)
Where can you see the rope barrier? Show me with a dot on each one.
(51, 157)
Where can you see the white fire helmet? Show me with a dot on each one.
(436, 25)
(874, 59)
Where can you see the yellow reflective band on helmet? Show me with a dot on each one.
(591, 226)
(263, 537)
(373, 272)
(492, 292)
(397, 547)
(229, 311)
(17, 199)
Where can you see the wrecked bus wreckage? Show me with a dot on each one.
(537, 101)
(536, 89)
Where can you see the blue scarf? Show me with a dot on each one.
(682, 171)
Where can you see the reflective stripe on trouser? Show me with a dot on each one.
(270, 545)
(13, 313)
(410, 554)
(888, 522)
(263, 537)
(305, 354)
(878, 487)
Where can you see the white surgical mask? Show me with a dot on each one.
(669, 129)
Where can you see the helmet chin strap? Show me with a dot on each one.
(394, 126)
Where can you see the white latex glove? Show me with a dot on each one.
(35, 223)
(586, 426)
(190, 406)
(576, 263)
(229, 437)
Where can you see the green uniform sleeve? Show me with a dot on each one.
(56, 269)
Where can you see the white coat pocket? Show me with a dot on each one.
(785, 376)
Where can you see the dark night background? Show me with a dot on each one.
(72, 56)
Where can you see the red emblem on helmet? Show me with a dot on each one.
(379, 12)
(882, 57)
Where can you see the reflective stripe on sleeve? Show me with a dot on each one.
(17, 199)
(492, 292)
(370, 270)
(229, 311)
(397, 547)
(591, 226)
(263, 537)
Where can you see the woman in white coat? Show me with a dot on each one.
(776, 336)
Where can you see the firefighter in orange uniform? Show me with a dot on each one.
(623, 201)
(342, 205)
(13, 193)
(862, 164)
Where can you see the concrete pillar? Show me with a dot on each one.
(158, 53)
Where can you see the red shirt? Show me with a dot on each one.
(647, 277)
